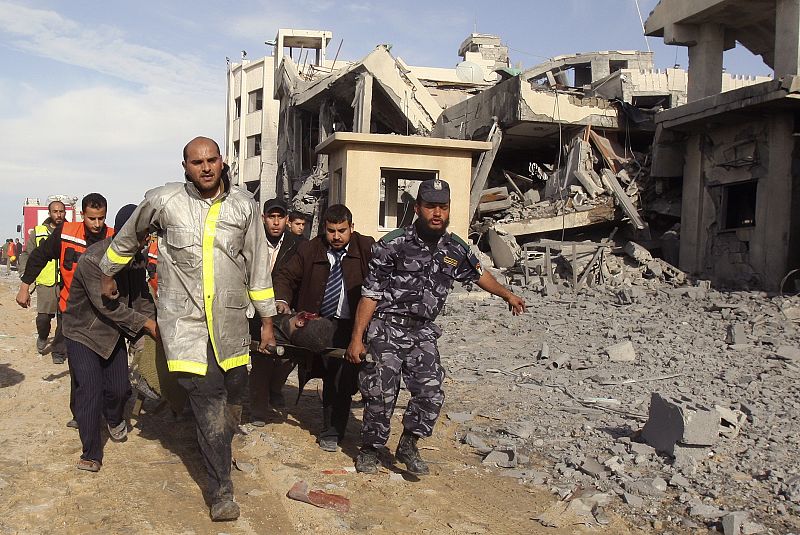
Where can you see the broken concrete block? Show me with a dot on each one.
(473, 440)
(679, 481)
(672, 422)
(705, 511)
(593, 468)
(788, 353)
(732, 522)
(736, 334)
(752, 528)
(502, 456)
(633, 500)
(637, 252)
(731, 421)
(532, 196)
(654, 487)
(622, 352)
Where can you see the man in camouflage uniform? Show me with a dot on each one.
(411, 273)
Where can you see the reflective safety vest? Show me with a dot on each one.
(73, 245)
(49, 274)
(152, 263)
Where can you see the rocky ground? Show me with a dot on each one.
(152, 483)
(525, 445)
(571, 421)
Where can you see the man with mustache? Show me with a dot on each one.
(324, 277)
(411, 273)
(212, 265)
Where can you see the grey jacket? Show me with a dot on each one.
(213, 263)
(97, 322)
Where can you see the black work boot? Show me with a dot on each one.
(367, 460)
(408, 454)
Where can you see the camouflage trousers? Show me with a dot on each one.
(410, 353)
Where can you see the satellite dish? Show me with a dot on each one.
(470, 72)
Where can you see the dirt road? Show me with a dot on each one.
(152, 483)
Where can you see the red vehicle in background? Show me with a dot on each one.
(34, 213)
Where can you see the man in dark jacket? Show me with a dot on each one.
(96, 329)
(268, 375)
(325, 277)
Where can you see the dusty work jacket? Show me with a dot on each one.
(211, 266)
(97, 322)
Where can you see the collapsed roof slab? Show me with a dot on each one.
(407, 94)
(531, 114)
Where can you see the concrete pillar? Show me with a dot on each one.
(691, 256)
(325, 130)
(600, 68)
(787, 37)
(769, 246)
(705, 62)
(363, 104)
(269, 132)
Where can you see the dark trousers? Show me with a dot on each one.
(102, 388)
(267, 377)
(43, 322)
(339, 383)
(211, 397)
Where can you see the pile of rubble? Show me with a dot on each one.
(674, 407)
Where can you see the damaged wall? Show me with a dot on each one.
(737, 204)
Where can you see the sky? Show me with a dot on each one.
(102, 96)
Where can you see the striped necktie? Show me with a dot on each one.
(333, 288)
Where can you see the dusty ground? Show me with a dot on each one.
(152, 483)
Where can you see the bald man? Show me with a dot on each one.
(211, 267)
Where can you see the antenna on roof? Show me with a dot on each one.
(641, 21)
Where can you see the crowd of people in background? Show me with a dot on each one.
(203, 270)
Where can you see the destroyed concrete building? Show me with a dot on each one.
(734, 153)
(570, 141)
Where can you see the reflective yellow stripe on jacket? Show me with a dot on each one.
(49, 275)
(209, 233)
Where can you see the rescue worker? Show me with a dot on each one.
(212, 258)
(11, 255)
(66, 244)
(47, 286)
(411, 273)
(96, 330)
(268, 375)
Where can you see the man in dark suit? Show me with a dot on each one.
(325, 277)
(268, 375)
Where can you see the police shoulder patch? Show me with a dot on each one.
(396, 233)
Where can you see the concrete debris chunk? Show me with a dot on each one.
(473, 440)
(704, 511)
(637, 252)
(502, 457)
(653, 487)
(622, 352)
(752, 528)
(523, 430)
(791, 353)
(592, 467)
(672, 422)
(637, 502)
(732, 522)
(736, 334)
(731, 421)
